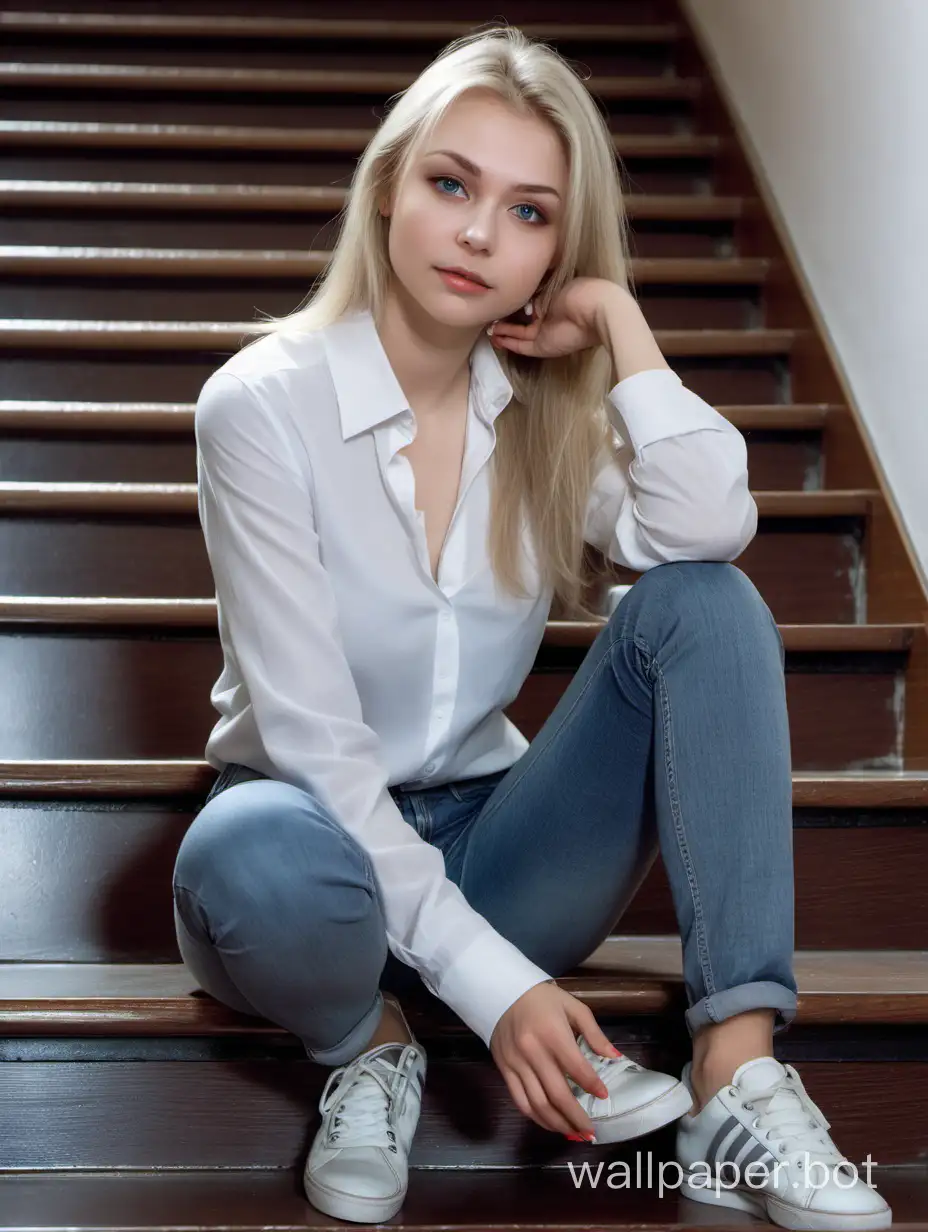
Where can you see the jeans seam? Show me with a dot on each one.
(422, 815)
(702, 948)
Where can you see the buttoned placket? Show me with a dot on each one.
(400, 478)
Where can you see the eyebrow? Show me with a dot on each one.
(475, 171)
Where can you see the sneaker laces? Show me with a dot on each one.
(785, 1108)
(600, 1065)
(363, 1094)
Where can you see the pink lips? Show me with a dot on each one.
(459, 283)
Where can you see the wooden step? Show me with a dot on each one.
(227, 80)
(139, 499)
(46, 261)
(89, 135)
(128, 1066)
(520, 1201)
(49, 779)
(311, 29)
(138, 442)
(283, 198)
(856, 836)
(83, 335)
(141, 540)
(625, 976)
(104, 418)
(845, 688)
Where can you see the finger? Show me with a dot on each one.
(543, 1111)
(517, 1091)
(560, 1096)
(576, 1066)
(594, 1035)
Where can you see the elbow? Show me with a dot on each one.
(726, 533)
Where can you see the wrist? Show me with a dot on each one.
(612, 303)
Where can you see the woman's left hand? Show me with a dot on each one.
(571, 323)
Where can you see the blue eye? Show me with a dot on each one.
(450, 179)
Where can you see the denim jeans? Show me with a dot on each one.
(672, 736)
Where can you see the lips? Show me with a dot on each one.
(460, 274)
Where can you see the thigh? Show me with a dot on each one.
(563, 841)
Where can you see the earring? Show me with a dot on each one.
(528, 309)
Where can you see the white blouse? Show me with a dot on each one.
(348, 668)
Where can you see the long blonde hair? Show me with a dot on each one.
(554, 430)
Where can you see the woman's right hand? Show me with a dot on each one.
(534, 1047)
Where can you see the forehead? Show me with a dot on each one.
(492, 134)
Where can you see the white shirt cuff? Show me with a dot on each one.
(486, 980)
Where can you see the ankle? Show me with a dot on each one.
(721, 1048)
(390, 1030)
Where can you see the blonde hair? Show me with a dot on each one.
(554, 430)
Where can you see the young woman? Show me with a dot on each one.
(391, 501)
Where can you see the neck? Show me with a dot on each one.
(430, 359)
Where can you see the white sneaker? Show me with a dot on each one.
(765, 1117)
(640, 1100)
(357, 1166)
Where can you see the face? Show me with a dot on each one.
(479, 218)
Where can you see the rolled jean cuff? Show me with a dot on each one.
(353, 1043)
(760, 995)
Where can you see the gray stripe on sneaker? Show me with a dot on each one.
(737, 1144)
(754, 1156)
(720, 1135)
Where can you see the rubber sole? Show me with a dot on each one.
(644, 1120)
(768, 1206)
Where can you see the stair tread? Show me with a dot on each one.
(125, 416)
(256, 137)
(90, 194)
(277, 80)
(626, 975)
(83, 778)
(524, 1199)
(170, 25)
(201, 613)
(47, 260)
(195, 335)
(181, 498)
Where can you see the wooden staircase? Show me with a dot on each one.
(168, 172)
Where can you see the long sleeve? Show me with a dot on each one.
(684, 494)
(256, 511)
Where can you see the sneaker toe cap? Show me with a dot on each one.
(360, 1173)
(845, 1198)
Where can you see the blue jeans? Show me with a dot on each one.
(672, 735)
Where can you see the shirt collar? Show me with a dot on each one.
(366, 386)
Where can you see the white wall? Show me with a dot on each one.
(833, 97)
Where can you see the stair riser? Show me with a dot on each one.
(69, 372)
(261, 229)
(240, 1113)
(319, 109)
(110, 900)
(102, 297)
(806, 569)
(602, 57)
(132, 697)
(780, 460)
(306, 167)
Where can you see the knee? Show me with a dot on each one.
(253, 838)
(708, 594)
